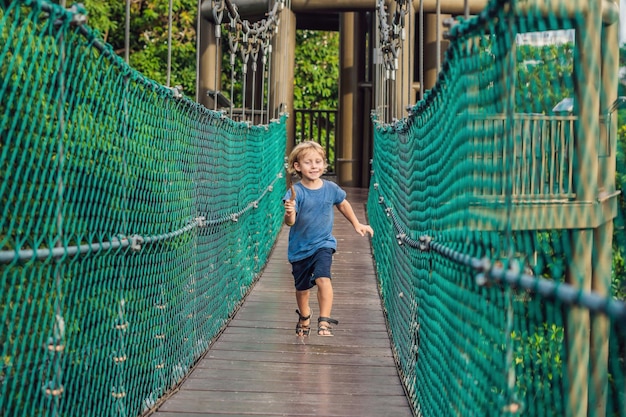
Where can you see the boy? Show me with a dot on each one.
(311, 243)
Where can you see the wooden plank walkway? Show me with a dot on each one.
(259, 367)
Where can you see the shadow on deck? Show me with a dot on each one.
(258, 367)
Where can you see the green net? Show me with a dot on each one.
(133, 221)
(493, 205)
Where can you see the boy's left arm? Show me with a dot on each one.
(345, 208)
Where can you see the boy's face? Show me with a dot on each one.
(310, 165)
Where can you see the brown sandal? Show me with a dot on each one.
(303, 329)
(325, 328)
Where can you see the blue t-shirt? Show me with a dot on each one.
(314, 219)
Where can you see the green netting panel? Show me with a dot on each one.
(133, 222)
(494, 209)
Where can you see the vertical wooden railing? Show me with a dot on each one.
(538, 162)
(318, 125)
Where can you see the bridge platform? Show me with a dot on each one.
(259, 367)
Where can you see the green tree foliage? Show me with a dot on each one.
(317, 70)
(148, 37)
(619, 239)
(545, 77)
(317, 53)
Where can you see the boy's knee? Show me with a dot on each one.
(322, 282)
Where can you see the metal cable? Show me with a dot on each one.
(134, 241)
(487, 272)
(169, 44)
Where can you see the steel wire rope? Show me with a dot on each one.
(283, 85)
(121, 326)
(134, 241)
(245, 56)
(56, 342)
(266, 47)
(242, 28)
(377, 71)
(393, 36)
(233, 42)
(198, 20)
(488, 272)
(421, 47)
(438, 36)
(127, 32)
(400, 33)
(383, 72)
(169, 43)
(401, 67)
(218, 15)
(393, 66)
(254, 52)
(409, 57)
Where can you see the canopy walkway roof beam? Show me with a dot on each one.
(255, 8)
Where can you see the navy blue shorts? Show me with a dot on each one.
(307, 270)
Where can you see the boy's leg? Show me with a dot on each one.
(303, 327)
(302, 299)
(325, 300)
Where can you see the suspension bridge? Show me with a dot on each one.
(142, 250)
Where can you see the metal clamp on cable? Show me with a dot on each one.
(484, 267)
(424, 243)
(177, 91)
(200, 221)
(135, 242)
(79, 14)
(55, 345)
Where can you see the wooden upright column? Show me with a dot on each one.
(348, 143)
(579, 273)
(405, 94)
(602, 238)
(209, 65)
(282, 66)
(434, 48)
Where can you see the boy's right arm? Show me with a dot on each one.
(290, 212)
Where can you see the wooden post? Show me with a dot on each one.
(404, 79)
(587, 107)
(602, 254)
(282, 69)
(348, 143)
(209, 64)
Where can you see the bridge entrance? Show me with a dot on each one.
(411, 59)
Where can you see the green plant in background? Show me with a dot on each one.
(316, 87)
(534, 64)
(317, 70)
(538, 356)
(619, 240)
(148, 37)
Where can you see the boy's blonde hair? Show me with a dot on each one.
(301, 149)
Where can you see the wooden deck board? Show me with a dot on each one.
(258, 367)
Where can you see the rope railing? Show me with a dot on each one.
(134, 221)
(246, 39)
(487, 272)
(499, 264)
(133, 241)
(482, 253)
